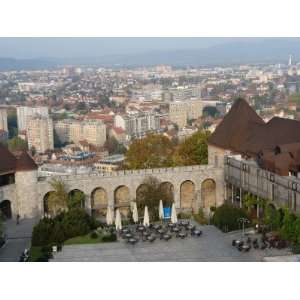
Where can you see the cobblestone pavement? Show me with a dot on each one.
(213, 245)
(18, 238)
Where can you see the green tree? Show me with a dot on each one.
(287, 231)
(17, 144)
(76, 199)
(58, 199)
(154, 151)
(272, 217)
(210, 111)
(149, 194)
(193, 151)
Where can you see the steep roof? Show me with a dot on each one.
(276, 132)
(25, 163)
(236, 127)
(7, 160)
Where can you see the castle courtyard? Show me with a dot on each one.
(211, 246)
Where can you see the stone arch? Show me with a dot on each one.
(167, 190)
(49, 208)
(5, 209)
(187, 195)
(208, 193)
(140, 189)
(122, 199)
(99, 201)
(78, 198)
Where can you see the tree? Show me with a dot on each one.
(287, 231)
(210, 111)
(154, 151)
(17, 144)
(12, 123)
(114, 147)
(58, 199)
(149, 194)
(272, 217)
(76, 199)
(193, 151)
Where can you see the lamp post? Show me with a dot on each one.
(243, 221)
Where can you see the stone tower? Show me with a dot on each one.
(26, 186)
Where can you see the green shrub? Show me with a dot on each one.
(109, 238)
(184, 215)
(200, 217)
(75, 222)
(93, 235)
(226, 217)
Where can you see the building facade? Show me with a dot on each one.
(40, 134)
(138, 124)
(3, 119)
(25, 113)
(74, 131)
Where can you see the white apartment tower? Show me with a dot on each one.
(25, 113)
(40, 133)
(3, 119)
(93, 131)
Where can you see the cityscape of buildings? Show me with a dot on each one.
(65, 111)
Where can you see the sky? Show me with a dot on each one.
(28, 48)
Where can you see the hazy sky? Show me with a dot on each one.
(95, 47)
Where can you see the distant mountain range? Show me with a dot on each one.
(236, 52)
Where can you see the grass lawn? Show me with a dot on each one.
(84, 239)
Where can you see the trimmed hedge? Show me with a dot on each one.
(226, 217)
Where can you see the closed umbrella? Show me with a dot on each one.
(135, 215)
(109, 216)
(161, 210)
(173, 214)
(118, 221)
(146, 217)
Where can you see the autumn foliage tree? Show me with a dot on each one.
(154, 151)
(193, 151)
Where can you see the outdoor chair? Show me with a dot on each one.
(233, 243)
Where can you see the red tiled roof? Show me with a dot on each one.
(25, 163)
(7, 161)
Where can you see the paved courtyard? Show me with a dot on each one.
(18, 238)
(213, 245)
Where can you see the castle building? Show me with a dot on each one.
(245, 155)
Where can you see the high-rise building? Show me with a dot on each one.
(182, 111)
(3, 119)
(25, 113)
(40, 133)
(138, 124)
(93, 131)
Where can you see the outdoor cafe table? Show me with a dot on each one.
(181, 235)
(176, 229)
(128, 235)
(125, 230)
(190, 227)
(160, 231)
(132, 241)
(141, 228)
(157, 226)
(166, 237)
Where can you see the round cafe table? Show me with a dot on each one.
(176, 229)
(181, 235)
(128, 235)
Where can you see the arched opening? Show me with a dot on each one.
(167, 192)
(49, 206)
(187, 194)
(140, 192)
(122, 199)
(76, 199)
(5, 209)
(99, 202)
(208, 193)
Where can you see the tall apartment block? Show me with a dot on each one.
(40, 133)
(25, 113)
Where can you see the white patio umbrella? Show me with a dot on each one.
(173, 214)
(161, 210)
(135, 215)
(118, 221)
(109, 216)
(146, 217)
